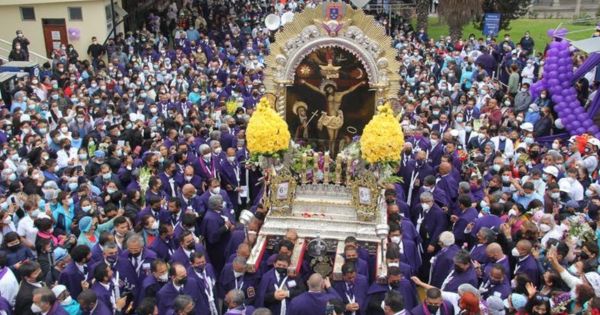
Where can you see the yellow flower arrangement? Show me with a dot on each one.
(382, 139)
(267, 132)
(231, 106)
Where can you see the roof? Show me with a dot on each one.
(4, 76)
(20, 64)
(589, 45)
(41, 2)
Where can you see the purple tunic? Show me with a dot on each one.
(356, 291)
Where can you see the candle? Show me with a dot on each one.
(338, 169)
(304, 169)
(348, 170)
(315, 167)
(326, 168)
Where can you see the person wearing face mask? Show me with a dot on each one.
(69, 304)
(525, 262)
(433, 304)
(503, 144)
(315, 299)
(216, 226)
(214, 189)
(122, 274)
(155, 280)
(231, 172)
(45, 302)
(139, 257)
(395, 282)
(203, 272)
(206, 165)
(30, 272)
(188, 246)
(442, 262)
(234, 277)
(74, 275)
(407, 248)
(352, 289)
(277, 287)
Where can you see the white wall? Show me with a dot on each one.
(93, 23)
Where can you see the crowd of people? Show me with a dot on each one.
(124, 174)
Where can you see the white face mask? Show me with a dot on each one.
(515, 252)
(67, 301)
(164, 277)
(425, 206)
(35, 308)
(215, 190)
(396, 239)
(545, 228)
(154, 225)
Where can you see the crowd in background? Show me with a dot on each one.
(487, 220)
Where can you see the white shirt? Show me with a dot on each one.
(576, 189)
(26, 229)
(509, 149)
(63, 157)
(9, 287)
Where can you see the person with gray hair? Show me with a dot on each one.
(234, 300)
(315, 300)
(44, 301)
(484, 237)
(234, 277)
(216, 226)
(431, 222)
(183, 304)
(443, 260)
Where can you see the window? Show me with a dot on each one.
(27, 14)
(75, 14)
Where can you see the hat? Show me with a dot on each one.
(495, 305)
(527, 127)
(299, 105)
(592, 141)
(99, 154)
(59, 254)
(594, 279)
(85, 224)
(552, 170)
(98, 122)
(564, 186)
(595, 188)
(58, 289)
(518, 301)
(534, 107)
(572, 204)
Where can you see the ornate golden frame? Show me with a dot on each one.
(355, 32)
(282, 206)
(365, 212)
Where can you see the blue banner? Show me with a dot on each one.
(491, 24)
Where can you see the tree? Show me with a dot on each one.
(509, 10)
(457, 13)
(422, 14)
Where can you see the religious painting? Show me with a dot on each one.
(330, 101)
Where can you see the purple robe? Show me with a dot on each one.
(102, 309)
(266, 289)
(195, 181)
(227, 282)
(455, 279)
(128, 279)
(311, 302)
(204, 202)
(529, 266)
(242, 310)
(356, 291)
(489, 221)
(216, 235)
(442, 265)
(478, 253)
(410, 254)
(163, 248)
(229, 178)
(181, 257)
(166, 181)
(141, 267)
(448, 184)
(168, 293)
(149, 288)
(237, 237)
(465, 217)
(434, 223)
(503, 262)
(445, 309)
(434, 155)
(501, 290)
(377, 292)
(71, 278)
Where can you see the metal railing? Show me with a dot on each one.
(6, 47)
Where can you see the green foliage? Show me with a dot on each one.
(510, 10)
